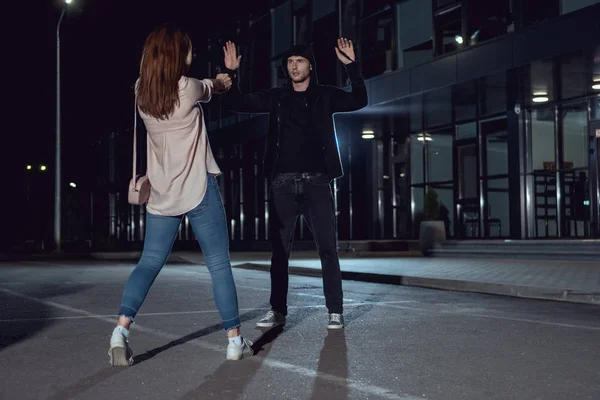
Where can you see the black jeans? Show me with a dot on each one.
(308, 195)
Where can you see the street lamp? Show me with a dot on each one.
(43, 167)
(57, 193)
(29, 167)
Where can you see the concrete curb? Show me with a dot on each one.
(510, 290)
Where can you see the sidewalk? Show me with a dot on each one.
(569, 281)
(577, 282)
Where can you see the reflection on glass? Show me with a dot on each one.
(449, 30)
(543, 146)
(416, 113)
(416, 160)
(417, 204)
(493, 94)
(489, 19)
(541, 82)
(575, 136)
(446, 198)
(535, 11)
(574, 75)
(496, 146)
(465, 101)
(438, 107)
(577, 204)
(439, 154)
(376, 41)
(498, 220)
(467, 171)
(466, 131)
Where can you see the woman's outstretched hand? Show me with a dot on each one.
(223, 83)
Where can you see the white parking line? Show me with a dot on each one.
(162, 314)
(295, 369)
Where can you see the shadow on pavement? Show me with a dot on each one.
(230, 379)
(266, 338)
(86, 383)
(22, 318)
(333, 361)
(194, 335)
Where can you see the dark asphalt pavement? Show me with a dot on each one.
(400, 342)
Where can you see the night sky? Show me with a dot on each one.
(101, 43)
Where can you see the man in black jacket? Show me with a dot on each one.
(301, 159)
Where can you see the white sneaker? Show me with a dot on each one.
(273, 318)
(120, 355)
(237, 352)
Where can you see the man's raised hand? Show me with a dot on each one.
(345, 46)
(232, 60)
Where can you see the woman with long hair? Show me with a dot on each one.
(182, 173)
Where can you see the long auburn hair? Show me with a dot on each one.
(162, 66)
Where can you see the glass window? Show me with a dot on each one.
(574, 75)
(595, 87)
(372, 6)
(496, 146)
(302, 31)
(322, 8)
(416, 113)
(492, 97)
(543, 146)
(376, 44)
(467, 171)
(281, 20)
(465, 101)
(535, 11)
(541, 82)
(573, 5)
(439, 156)
(277, 77)
(488, 19)
(498, 208)
(466, 131)
(446, 198)
(575, 136)
(416, 159)
(349, 18)
(448, 31)
(438, 107)
(417, 204)
(298, 4)
(444, 3)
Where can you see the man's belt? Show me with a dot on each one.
(292, 176)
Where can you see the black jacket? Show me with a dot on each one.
(323, 100)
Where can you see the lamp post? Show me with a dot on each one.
(57, 182)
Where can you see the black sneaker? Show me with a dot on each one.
(272, 319)
(336, 321)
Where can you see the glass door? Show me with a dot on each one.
(574, 171)
(594, 192)
(468, 190)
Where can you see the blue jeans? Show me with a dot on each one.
(210, 227)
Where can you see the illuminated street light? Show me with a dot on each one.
(57, 192)
(72, 184)
(29, 167)
(43, 168)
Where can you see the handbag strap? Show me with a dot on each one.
(135, 135)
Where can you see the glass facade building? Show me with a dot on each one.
(495, 105)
